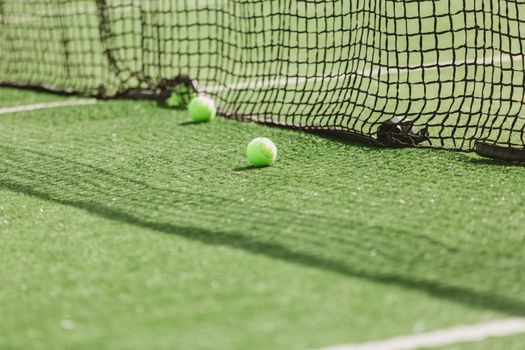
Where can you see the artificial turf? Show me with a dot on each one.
(123, 226)
(18, 97)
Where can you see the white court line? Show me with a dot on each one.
(461, 334)
(369, 73)
(37, 106)
(40, 14)
(91, 9)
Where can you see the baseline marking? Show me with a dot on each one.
(39, 14)
(37, 106)
(89, 9)
(369, 73)
(450, 336)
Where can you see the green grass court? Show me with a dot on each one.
(123, 226)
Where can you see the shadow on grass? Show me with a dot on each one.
(347, 252)
(495, 162)
(189, 122)
(248, 168)
(347, 139)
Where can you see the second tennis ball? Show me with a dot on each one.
(261, 152)
(202, 109)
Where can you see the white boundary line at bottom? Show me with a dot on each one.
(47, 105)
(444, 337)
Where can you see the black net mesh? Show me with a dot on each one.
(455, 68)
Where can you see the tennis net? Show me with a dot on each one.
(444, 73)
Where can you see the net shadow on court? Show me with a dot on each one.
(380, 253)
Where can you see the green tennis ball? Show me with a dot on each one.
(202, 109)
(181, 96)
(261, 152)
(175, 100)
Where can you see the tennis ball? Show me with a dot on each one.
(175, 100)
(261, 152)
(182, 92)
(202, 109)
